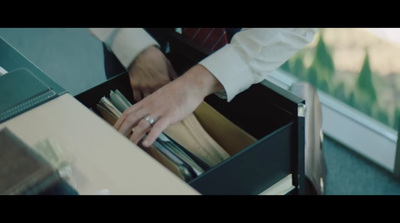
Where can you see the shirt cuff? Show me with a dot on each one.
(128, 43)
(125, 43)
(232, 74)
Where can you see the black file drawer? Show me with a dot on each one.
(268, 113)
(272, 115)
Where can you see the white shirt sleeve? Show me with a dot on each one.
(125, 43)
(253, 54)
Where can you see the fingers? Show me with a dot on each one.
(134, 124)
(140, 131)
(129, 118)
(171, 71)
(137, 94)
(155, 131)
(143, 127)
(146, 93)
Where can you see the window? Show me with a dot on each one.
(357, 74)
(358, 66)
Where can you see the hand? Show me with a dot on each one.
(168, 105)
(150, 71)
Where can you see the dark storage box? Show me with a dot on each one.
(272, 115)
(269, 114)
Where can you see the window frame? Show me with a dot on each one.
(352, 128)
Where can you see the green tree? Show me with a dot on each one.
(364, 81)
(323, 60)
(352, 100)
(325, 85)
(295, 65)
(298, 67)
(381, 115)
(285, 66)
(312, 76)
(396, 121)
(339, 92)
(322, 69)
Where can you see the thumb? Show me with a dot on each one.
(171, 71)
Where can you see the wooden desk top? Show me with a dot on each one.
(104, 161)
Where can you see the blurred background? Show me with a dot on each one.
(357, 66)
(356, 72)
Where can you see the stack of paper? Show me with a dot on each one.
(185, 148)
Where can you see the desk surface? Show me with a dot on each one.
(103, 159)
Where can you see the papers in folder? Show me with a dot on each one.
(185, 148)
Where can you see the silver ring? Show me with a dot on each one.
(150, 120)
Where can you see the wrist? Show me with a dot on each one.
(201, 81)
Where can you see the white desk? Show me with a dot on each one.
(104, 160)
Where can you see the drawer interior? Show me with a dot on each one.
(252, 110)
(258, 128)
(249, 128)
